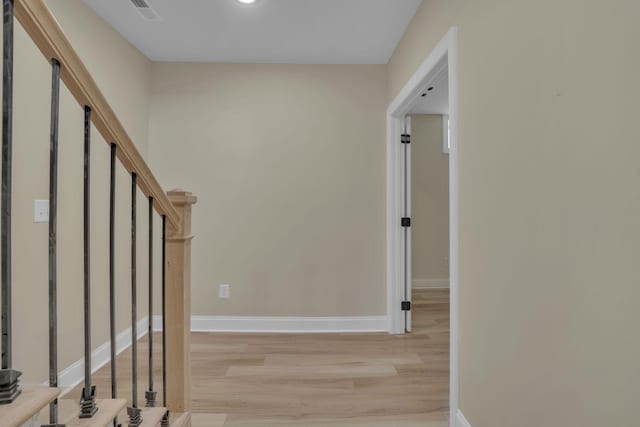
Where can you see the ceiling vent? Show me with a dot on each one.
(145, 10)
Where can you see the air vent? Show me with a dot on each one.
(145, 10)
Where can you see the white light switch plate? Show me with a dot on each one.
(40, 211)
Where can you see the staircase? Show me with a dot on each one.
(24, 410)
(30, 410)
(111, 408)
(168, 403)
(69, 411)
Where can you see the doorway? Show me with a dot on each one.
(439, 70)
(426, 196)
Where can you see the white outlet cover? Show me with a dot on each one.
(40, 211)
(224, 291)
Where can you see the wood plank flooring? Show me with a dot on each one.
(315, 380)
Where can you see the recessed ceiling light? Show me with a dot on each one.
(246, 1)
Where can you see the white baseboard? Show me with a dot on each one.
(157, 323)
(430, 283)
(461, 421)
(274, 324)
(73, 375)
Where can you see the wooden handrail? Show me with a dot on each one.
(44, 30)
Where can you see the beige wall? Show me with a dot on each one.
(121, 71)
(123, 74)
(288, 165)
(429, 203)
(549, 206)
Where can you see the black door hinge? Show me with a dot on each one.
(405, 138)
(405, 222)
(406, 305)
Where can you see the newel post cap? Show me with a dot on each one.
(180, 197)
(182, 202)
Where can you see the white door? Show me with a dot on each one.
(405, 222)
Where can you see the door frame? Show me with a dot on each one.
(406, 198)
(445, 52)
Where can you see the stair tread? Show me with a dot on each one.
(108, 409)
(151, 417)
(29, 403)
(181, 419)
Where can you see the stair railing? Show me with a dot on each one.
(174, 208)
(53, 237)
(112, 273)
(9, 388)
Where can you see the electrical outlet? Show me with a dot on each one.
(224, 291)
(40, 211)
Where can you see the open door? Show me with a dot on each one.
(406, 221)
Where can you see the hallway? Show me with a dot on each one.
(351, 380)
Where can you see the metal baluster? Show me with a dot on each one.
(135, 418)
(165, 419)
(9, 389)
(88, 400)
(112, 285)
(53, 220)
(150, 395)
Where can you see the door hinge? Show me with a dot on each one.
(405, 138)
(406, 305)
(405, 222)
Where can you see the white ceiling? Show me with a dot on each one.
(275, 31)
(436, 100)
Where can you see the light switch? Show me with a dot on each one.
(40, 211)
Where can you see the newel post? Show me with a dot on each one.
(178, 304)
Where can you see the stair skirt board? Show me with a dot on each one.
(73, 375)
(273, 324)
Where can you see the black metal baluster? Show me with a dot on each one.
(112, 284)
(150, 395)
(88, 400)
(53, 229)
(135, 418)
(9, 389)
(165, 419)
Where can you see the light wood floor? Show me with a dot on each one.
(315, 380)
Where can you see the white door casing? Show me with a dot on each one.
(443, 55)
(406, 201)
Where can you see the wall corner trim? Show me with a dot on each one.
(461, 421)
